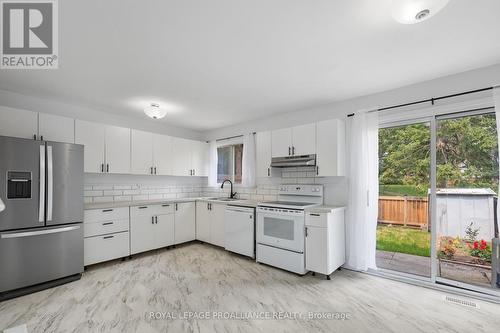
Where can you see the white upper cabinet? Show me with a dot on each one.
(56, 128)
(162, 154)
(199, 158)
(263, 153)
(304, 139)
(141, 147)
(91, 135)
(281, 142)
(298, 140)
(18, 123)
(330, 139)
(117, 149)
(181, 157)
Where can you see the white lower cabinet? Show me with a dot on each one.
(106, 247)
(325, 241)
(151, 227)
(203, 221)
(185, 222)
(106, 233)
(217, 225)
(210, 222)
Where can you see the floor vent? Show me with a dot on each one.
(469, 304)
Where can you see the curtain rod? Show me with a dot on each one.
(432, 100)
(233, 137)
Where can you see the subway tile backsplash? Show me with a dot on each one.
(114, 188)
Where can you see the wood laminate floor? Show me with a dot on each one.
(201, 280)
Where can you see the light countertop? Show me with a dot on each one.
(118, 204)
(324, 209)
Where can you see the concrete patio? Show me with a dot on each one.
(403, 262)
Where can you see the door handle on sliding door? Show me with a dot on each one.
(50, 183)
(41, 207)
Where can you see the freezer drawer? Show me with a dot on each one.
(33, 256)
(107, 247)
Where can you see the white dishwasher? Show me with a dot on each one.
(240, 230)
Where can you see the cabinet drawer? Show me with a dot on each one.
(140, 211)
(317, 220)
(109, 214)
(108, 247)
(167, 208)
(105, 227)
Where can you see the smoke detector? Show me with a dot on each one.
(415, 11)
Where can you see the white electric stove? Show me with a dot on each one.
(281, 225)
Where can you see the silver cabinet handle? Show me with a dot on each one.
(50, 183)
(107, 167)
(268, 172)
(107, 210)
(108, 237)
(41, 207)
(306, 231)
(108, 223)
(38, 232)
(293, 150)
(156, 219)
(151, 170)
(152, 220)
(155, 170)
(289, 151)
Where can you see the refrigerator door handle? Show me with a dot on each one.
(50, 183)
(38, 232)
(41, 207)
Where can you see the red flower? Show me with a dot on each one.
(476, 245)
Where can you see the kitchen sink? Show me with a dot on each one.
(223, 199)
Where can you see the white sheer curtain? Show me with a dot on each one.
(248, 161)
(362, 210)
(496, 97)
(212, 167)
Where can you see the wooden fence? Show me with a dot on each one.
(407, 211)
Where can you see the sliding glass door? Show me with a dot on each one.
(438, 195)
(403, 233)
(465, 199)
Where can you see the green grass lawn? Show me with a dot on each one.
(401, 190)
(403, 240)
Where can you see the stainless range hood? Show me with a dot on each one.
(293, 161)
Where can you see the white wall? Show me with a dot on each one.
(19, 101)
(470, 80)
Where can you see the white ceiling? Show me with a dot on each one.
(221, 62)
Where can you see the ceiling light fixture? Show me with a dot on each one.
(154, 111)
(415, 11)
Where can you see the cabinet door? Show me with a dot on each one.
(142, 229)
(330, 140)
(91, 135)
(304, 139)
(281, 142)
(162, 154)
(117, 149)
(316, 249)
(18, 123)
(56, 128)
(217, 227)
(263, 152)
(164, 230)
(185, 222)
(181, 157)
(199, 158)
(202, 221)
(141, 150)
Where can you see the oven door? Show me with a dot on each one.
(282, 228)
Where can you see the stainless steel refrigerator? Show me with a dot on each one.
(41, 228)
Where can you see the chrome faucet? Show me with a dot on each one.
(233, 194)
